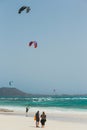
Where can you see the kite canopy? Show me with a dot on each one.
(10, 83)
(33, 43)
(23, 8)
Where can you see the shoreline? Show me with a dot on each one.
(64, 117)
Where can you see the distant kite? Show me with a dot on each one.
(23, 8)
(10, 83)
(33, 43)
(54, 91)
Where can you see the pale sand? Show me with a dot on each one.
(18, 121)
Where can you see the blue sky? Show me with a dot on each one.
(60, 61)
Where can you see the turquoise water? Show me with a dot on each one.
(56, 107)
(67, 102)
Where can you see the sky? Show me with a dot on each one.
(60, 60)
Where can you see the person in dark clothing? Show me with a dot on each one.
(37, 118)
(27, 109)
(43, 119)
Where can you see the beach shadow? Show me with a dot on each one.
(34, 127)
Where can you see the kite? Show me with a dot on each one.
(23, 8)
(33, 43)
(10, 83)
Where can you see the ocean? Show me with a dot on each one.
(50, 104)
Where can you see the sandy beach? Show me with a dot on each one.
(10, 120)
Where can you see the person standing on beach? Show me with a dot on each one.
(27, 109)
(37, 118)
(43, 119)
